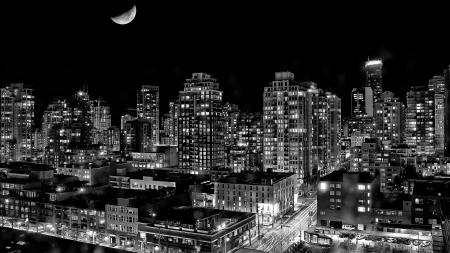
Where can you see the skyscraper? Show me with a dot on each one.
(230, 113)
(447, 112)
(320, 149)
(420, 120)
(174, 113)
(148, 108)
(57, 112)
(437, 85)
(362, 102)
(137, 136)
(17, 122)
(389, 113)
(334, 129)
(374, 77)
(287, 123)
(200, 125)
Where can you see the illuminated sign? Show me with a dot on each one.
(377, 62)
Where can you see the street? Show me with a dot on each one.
(278, 239)
(39, 243)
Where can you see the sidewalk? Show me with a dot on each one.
(379, 233)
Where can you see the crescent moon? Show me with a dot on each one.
(125, 18)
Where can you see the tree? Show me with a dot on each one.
(347, 245)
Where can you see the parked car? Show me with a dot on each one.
(360, 237)
(416, 242)
(425, 243)
(391, 240)
(348, 227)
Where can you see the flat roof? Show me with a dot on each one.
(390, 201)
(432, 189)
(82, 203)
(192, 214)
(338, 176)
(258, 178)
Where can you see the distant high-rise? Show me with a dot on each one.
(102, 117)
(148, 108)
(57, 112)
(200, 125)
(334, 129)
(230, 113)
(447, 112)
(374, 77)
(420, 120)
(437, 85)
(362, 102)
(137, 136)
(389, 113)
(320, 127)
(174, 113)
(17, 122)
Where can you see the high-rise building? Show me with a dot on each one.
(17, 122)
(374, 77)
(389, 118)
(437, 85)
(320, 149)
(148, 108)
(352, 125)
(287, 123)
(137, 136)
(102, 117)
(174, 113)
(447, 112)
(57, 112)
(200, 125)
(334, 133)
(246, 151)
(112, 139)
(362, 102)
(230, 113)
(420, 120)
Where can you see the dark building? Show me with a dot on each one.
(447, 112)
(374, 77)
(345, 199)
(426, 202)
(445, 217)
(362, 102)
(137, 136)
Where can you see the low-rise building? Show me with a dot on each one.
(391, 212)
(128, 205)
(346, 198)
(270, 194)
(198, 230)
(203, 195)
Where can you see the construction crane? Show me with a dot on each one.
(97, 111)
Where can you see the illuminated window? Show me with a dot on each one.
(361, 209)
(323, 186)
(361, 187)
(368, 186)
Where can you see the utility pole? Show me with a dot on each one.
(257, 216)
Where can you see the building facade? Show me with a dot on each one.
(389, 114)
(148, 108)
(362, 102)
(420, 121)
(374, 77)
(200, 125)
(17, 122)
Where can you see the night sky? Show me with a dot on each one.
(59, 48)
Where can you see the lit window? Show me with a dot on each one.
(323, 186)
(361, 209)
(368, 186)
(361, 187)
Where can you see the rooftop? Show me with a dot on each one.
(390, 201)
(258, 178)
(432, 189)
(338, 176)
(82, 203)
